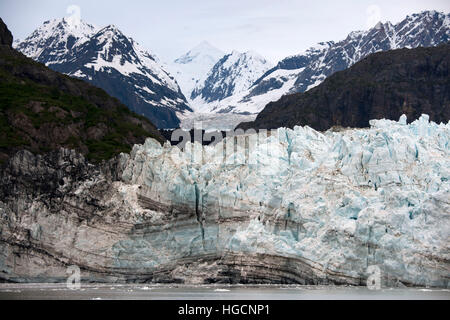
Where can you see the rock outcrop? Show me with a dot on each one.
(6, 37)
(299, 207)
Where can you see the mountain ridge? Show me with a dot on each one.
(112, 61)
(302, 72)
(382, 85)
(232, 74)
(192, 68)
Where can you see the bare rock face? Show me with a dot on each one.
(6, 37)
(54, 214)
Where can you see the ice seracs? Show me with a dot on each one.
(342, 201)
(299, 207)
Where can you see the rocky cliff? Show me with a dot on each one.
(6, 37)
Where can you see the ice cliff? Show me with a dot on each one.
(297, 206)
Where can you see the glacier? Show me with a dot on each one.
(345, 200)
(292, 206)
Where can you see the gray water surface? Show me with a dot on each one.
(212, 292)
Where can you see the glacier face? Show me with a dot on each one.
(341, 200)
(293, 206)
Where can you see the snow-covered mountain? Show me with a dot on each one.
(302, 72)
(112, 61)
(52, 40)
(192, 68)
(232, 75)
(212, 83)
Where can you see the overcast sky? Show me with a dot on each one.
(169, 28)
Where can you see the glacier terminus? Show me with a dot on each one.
(298, 206)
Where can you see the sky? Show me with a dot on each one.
(169, 28)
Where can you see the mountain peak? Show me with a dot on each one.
(233, 74)
(75, 48)
(201, 51)
(110, 34)
(111, 28)
(204, 45)
(427, 14)
(254, 55)
(57, 33)
(431, 12)
(243, 58)
(192, 68)
(379, 26)
(235, 53)
(72, 22)
(71, 26)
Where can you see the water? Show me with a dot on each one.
(212, 292)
